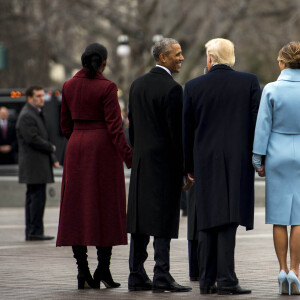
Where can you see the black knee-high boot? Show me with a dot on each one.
(84, 275)
(102, 272)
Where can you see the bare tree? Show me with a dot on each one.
(37, 33)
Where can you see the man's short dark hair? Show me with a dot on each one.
(162, 46)
(29, 91)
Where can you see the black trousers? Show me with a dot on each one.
(216, 256)
(193, 258)
(34, 209)
(138, 255)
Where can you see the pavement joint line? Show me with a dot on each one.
(16, 179)
(56, 179)
(33, 245)
(252, 236)
(23, 226)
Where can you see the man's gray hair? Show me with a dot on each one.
(162, 46)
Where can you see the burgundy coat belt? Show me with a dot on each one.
(88, 125)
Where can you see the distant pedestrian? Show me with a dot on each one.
(277, 156)
(36, 159)
(93, 199)
(219, 114)
(8, 138)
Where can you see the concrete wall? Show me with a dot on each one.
(12, 193)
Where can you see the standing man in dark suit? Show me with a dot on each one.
(8, 139)
(155, 131)
(219, 115)
(36, 158)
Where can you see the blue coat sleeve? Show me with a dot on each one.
(264, 123)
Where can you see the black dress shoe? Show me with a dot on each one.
(211, 289)
(144, 286)
(39, 238)
(194, 278)
(171, 287)
(232, 290)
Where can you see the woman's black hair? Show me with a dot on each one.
(93, 57)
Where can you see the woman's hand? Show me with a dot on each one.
(261, 171)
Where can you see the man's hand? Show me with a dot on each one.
(191, 177)
(56, 164)
(261, 171)
(188, 184)
(5, 148)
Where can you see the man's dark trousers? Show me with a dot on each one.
(193, 258)
(216, 256)
(138, 255)
(34, 209)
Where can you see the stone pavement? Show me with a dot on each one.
(39, 270)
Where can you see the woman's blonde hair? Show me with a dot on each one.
(221, 51)
(290, 55)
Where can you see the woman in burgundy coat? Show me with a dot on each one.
(93, 201)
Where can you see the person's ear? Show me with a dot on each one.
(162, 57)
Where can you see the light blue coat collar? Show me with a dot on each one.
(290, 75)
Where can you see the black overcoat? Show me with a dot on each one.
(219, 116)
(155, 129)
(36, 155)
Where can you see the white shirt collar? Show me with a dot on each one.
(166, 69)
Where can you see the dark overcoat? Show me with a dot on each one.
(155, 130)
(9, 139)
(36, 155)
(93, 199)
(220, 110)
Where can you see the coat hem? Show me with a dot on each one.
(92, 244)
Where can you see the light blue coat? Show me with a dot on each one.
(277, 136)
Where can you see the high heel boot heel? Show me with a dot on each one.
(84, 276)
(104, 276)
(85, 279)
(294, 284)
(283, 283)
(102, 272)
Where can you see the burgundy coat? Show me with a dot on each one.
(93, 202)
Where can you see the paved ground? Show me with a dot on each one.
(39, 270)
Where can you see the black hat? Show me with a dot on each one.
(94, 49)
